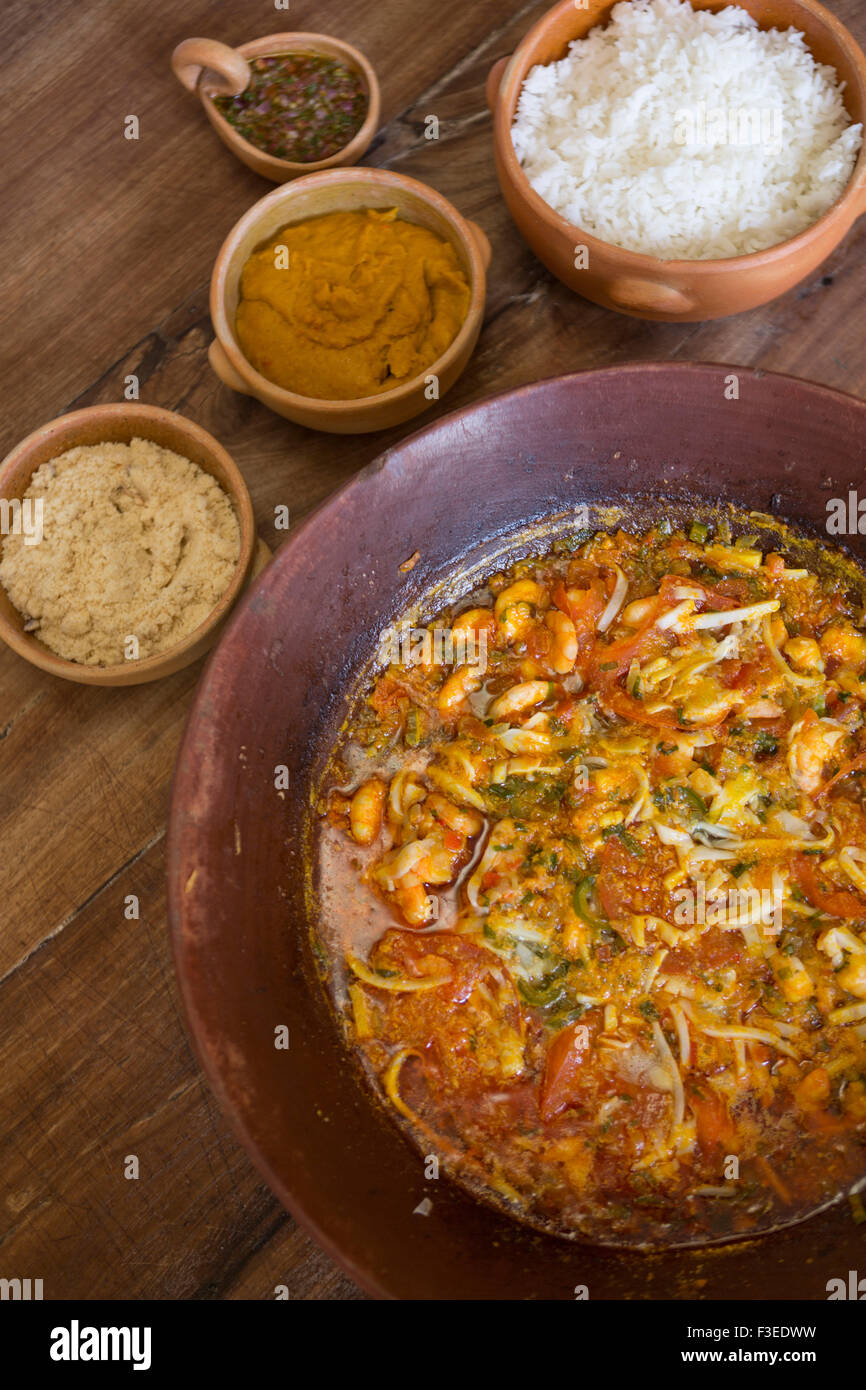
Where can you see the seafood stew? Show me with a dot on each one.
(601, 823)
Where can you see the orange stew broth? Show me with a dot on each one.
(599, 911)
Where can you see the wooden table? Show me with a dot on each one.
(107, 251)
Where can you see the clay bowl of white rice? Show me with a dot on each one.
(682, 161)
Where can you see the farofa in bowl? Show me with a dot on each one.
(137, 546)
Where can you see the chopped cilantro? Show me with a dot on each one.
(628, 840)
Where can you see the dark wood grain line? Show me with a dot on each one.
(36, 698)
(217, 1288)
(72, 916)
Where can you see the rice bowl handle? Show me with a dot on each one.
(228, 70)
(494, 80)
(644, 296)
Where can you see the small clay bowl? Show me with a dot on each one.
(212, 69)
(645, 286)
(100, 424)
(340, 190)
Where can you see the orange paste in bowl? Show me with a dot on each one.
(350, 304)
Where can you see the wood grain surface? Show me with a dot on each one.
(107, 249)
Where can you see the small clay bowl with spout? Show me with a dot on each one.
(212, 69)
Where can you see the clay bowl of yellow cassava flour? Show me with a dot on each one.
(126, 536)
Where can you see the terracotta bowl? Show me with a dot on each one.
(341, 190)
(644, 286)
(209, 69)
(461, 493)
(99, 424)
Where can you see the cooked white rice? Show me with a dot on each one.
(685, 134)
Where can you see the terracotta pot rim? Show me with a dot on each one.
(181, 826)
(852, 199)
(260, 385)
(195, 1030)
(288, 42)
(636, 368)
(151, 667)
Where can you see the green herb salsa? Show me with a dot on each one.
(298, 106)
